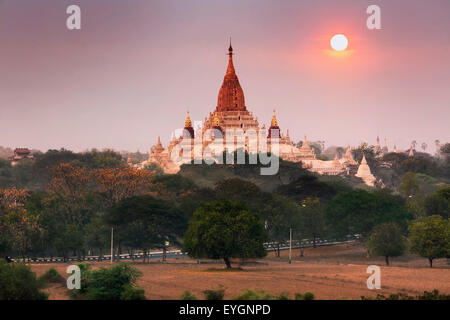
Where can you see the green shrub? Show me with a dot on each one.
(115, 283)
(51, 276)
(215, 294)
(132, 293)
(254, 295)
(433, 295)
(308, 296)
(264, 295)
(298, 296)
(18, 282)
(259, 295)
(85, 271)
(283, 296)
(187, 295)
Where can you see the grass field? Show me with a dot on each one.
(335, 272)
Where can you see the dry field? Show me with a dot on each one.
(337, 272)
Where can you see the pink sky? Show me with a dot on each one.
(136, 66)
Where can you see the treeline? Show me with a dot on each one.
(76, 199)
(36, 173)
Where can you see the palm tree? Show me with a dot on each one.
(438, 147)
(424, 146)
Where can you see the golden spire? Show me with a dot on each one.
(274, 120)
(188, 122)
(231, 96)
(230, 69)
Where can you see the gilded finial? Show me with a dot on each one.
(188, 122)
(274, 120)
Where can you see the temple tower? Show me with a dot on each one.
(231, 109)
(188, 131)
(364, 172)
(274, 128)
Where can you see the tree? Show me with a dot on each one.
(307, 186)
(115, 184)
(430, 238)
(115, 283)
(418, 164)
(224, 230)
(311, 219)
(279, 214)
(70, 205)
(445, 151)
(368, 151)
(97, 235)
(235, 189)
(387, 240)
(18, 282)
(409, 186)
(22, 230)
(144, 222)
(358, 211)
(19, 229)
(438, 203)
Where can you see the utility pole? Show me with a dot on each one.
(290, 245)
(112, 245)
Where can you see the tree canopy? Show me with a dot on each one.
(430, 238)
(358, 211)
(224, 230)
(387, 240)
(145, 222)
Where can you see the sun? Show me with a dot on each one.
(339, 42)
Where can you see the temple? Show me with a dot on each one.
(20, 154)
(231, 113)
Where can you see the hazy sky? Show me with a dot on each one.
(136, 66)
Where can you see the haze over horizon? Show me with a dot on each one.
(135, 68)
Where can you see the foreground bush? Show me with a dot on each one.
(18, 282)
(51, 276)
(187, 295)
(115, 283)
(307, 296)
(215, 294)
(427, 295)
(264, 295)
